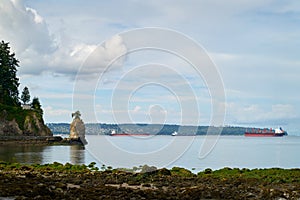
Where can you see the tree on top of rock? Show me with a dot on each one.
(9, 82)
(76, 114)
(25, 97)
(36, 105)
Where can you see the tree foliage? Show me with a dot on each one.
(25, 97)
(36, 105)
(76, 114)
(9, 82)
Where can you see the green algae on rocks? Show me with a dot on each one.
(68, 181)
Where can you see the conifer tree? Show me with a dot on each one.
(25, 97)
(36, 105)
(9, 82)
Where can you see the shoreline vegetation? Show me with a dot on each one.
(68, 181)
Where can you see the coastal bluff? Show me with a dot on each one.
(26, 126)
(16, 121)
(19, 117)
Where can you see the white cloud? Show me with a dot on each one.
(136, 109)
(257, 114)
(87, 61)
(57, 114)
(24, 28)
(39, 51)
(103, 56)
(37, 18)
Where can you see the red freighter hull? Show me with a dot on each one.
(265, 132)
(259, 134)
(247, 134)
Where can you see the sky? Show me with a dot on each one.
(134, 61)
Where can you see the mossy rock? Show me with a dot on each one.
(178, 171)
(164, 172)
(19, 121)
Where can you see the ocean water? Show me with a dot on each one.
(167, 151)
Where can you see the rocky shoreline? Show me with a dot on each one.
(40, 140)
(58, 181)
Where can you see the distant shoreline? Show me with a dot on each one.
(151, 129)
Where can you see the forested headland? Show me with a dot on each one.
(19, 115)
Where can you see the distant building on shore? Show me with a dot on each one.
(26, 106)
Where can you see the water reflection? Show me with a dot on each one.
(31, 154)
(231, 151)
(77, 154)
(21, 153)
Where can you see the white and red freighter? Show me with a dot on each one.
(278, 132)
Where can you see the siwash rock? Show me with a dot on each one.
(77, 128)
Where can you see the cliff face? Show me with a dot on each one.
(15, 121)
(9, 128)
(34, 125)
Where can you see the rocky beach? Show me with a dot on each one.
(67, 181)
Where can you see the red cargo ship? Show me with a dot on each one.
(266, 132)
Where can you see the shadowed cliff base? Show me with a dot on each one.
(40, 140)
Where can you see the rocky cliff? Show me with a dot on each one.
(14, 121)
(77, 130)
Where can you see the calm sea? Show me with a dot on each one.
(195, 153)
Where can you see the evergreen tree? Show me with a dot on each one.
(76, 114)
(25, 97)
(9, 82)
(36, 105)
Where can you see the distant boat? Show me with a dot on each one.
(278, 132)
(114, 133)
(174, 133)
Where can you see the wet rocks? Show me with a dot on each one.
(58, 181)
